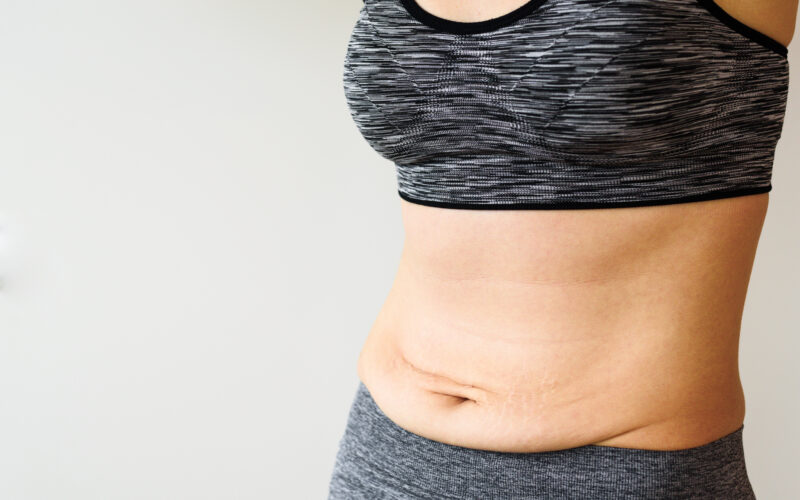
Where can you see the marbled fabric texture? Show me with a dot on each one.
(577, 104)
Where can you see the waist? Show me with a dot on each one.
(376, 456)
(636, 361)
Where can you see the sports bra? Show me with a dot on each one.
(568, 103)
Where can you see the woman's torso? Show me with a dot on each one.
(534, 330)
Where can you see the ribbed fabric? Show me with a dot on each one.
(568, 103)
(378, 460)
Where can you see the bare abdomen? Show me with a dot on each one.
(533, 331)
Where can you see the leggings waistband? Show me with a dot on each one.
(377, 459)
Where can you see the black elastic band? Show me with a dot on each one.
(743, 29)
(464, 28)
(713, 195)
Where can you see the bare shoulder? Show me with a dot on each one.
(774, 18)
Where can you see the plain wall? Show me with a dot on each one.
(195, 240)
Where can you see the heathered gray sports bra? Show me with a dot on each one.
(568, 103)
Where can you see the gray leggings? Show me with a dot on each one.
(377, 459)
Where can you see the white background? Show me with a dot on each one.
(195, 240)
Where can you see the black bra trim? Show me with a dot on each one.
(742, 28)
(465, 28)
(714, 195)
